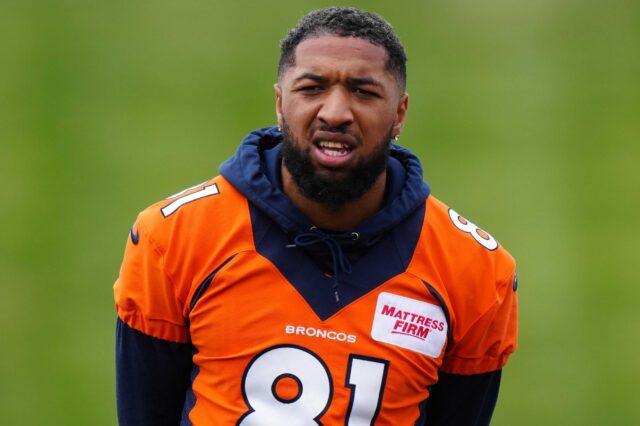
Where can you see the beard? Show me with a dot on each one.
(343, 186)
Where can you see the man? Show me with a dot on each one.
(316, 281)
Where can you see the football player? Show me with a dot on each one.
(316, 280)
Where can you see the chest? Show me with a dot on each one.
(262, 349)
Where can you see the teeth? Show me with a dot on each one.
(333, 145)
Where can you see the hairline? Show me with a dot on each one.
(321, 32)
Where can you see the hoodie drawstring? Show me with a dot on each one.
(332, 241)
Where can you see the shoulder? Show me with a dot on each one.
(173, 246)
(188, 216)
(196, 229)
(466, 265)
(474, 275)
(459, 241)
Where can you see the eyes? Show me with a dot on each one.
(316, 89)
(364, 92)
(309, 89)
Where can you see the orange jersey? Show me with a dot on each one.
(293, 325)
(262, 351)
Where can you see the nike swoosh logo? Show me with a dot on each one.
(135, 236)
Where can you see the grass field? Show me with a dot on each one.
(525, 113)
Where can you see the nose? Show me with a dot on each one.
(336, 108)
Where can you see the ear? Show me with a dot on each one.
(401, 114)
(278, 90)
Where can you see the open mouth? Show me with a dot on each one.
(334, 149)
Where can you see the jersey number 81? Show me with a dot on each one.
(366, 378)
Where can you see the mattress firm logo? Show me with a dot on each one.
(410, 324)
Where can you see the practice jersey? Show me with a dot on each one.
(273, 346)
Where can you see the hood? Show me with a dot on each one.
(254, 170)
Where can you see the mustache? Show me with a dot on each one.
(333, 129)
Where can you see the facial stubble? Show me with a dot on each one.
(340, 187)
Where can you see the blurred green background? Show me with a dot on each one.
(525, 113)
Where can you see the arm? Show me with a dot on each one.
(152, 377)
(153, 350)
(469, 379)
(463, 400)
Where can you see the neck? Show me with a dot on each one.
(343, 217)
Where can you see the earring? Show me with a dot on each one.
(396, 137)
(279, 128)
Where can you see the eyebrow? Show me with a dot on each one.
(311, 76)
(365, 81)
(356, 81)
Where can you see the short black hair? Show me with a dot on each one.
(346, 22)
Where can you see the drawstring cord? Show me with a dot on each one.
(332, 241)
